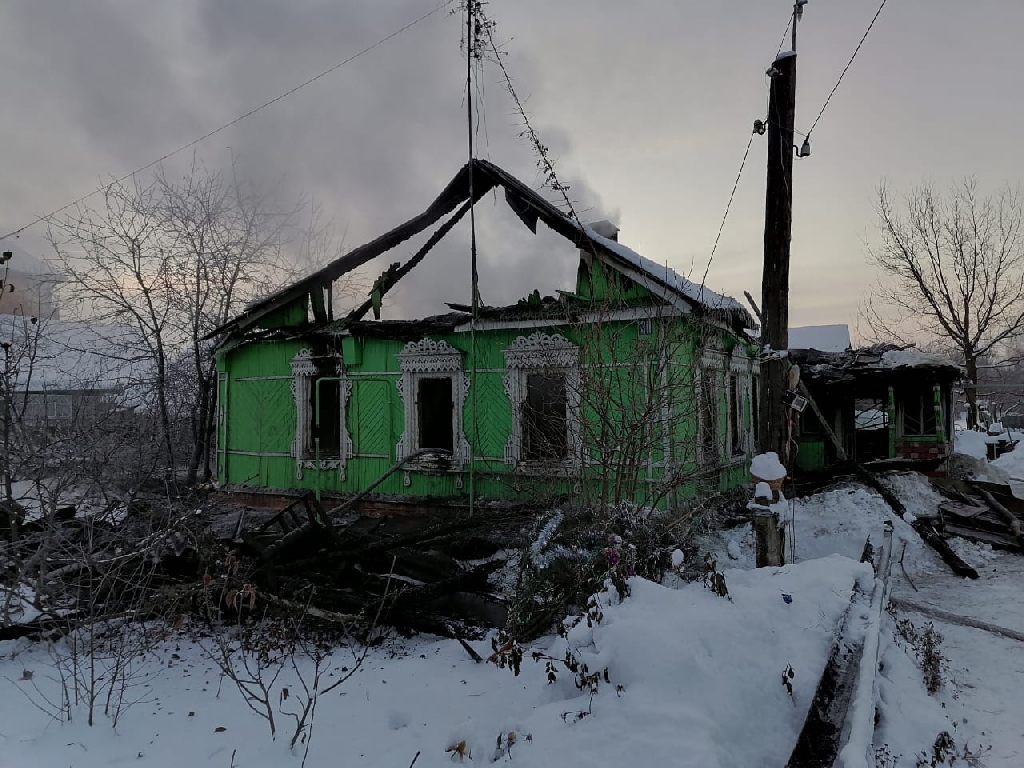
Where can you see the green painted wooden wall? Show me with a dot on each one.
(257, 415)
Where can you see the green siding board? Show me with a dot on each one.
(811, 454)
(371, 414)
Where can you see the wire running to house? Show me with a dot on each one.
(785, 34)
(444, 4)
(847, 67)
(736, 183)
(728, 207)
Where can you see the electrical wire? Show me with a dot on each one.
(736, 183)
(782, 42)
(847, 67)
(444, 4)
(728, 207)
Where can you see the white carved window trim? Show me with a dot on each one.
(304, 372)
(541, 353)
(430, 359)
(713, 366)
(741, 366)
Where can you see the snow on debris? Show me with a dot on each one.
(912, 358)
(971, 443)
(699, 676)
(700, 294)
(824, 338)
(767, 466)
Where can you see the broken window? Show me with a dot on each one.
(708, 417)
(919, 413)
(871, 414)
(436, 414)
(735, 417)
(545, 437)
(755, 410)
(543, 383)
(809, 424)
(325, 416)
(433, 389)
(321, 394)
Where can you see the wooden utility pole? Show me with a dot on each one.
(778, 227)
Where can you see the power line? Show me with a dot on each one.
(785, 34)
(739, 174)
(728, 206)
(847, 67)
(444, 4)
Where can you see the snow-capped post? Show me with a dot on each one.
(768, 474)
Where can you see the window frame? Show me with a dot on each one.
(431, 359)
(737, 443)
(307, 367)
(547, 355)
(925, 399)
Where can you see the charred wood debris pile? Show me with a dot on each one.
(447, 573)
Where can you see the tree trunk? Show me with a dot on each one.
(971, 390)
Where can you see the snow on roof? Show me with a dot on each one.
(824, 338)
(689, 290)
(912, 358)
(71, 355)
(24, 262)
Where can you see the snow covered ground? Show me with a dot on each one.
(693, 679)
(982, 702)
(700, 681)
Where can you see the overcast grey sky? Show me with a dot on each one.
(646, 106)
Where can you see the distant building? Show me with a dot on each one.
(824, 338)
(28, 284)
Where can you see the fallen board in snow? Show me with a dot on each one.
(952, 618)
(993, 539)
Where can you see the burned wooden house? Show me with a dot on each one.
(638, 385)
(885, 405)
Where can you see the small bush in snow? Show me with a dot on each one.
(926, 644)
(574, 553)
(713, 578)
(884, 758)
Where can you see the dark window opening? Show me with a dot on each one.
(870, 414)
(545, 410)
(708, 418)
(436, 411)
(735, 415)
(755, 411)
(325, 403)
(871, 428)
(919, 413)
(810, 424)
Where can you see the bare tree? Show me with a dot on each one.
(171, 260)
(952, 269)
(227, 239)
(119, 266)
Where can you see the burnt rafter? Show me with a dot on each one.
(529, 206)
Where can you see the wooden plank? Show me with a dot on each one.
(1002, 541)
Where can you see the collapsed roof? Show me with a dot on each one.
(481, 177)
(880, 361)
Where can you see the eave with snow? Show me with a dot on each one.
(313, 400)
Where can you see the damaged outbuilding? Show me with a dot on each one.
(885, 404)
